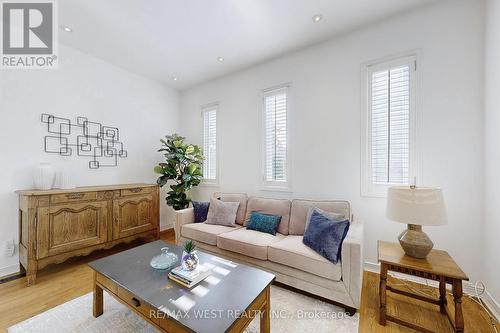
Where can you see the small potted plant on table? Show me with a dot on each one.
(190, 258)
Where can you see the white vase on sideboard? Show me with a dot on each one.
(64, 180)
(44, 176)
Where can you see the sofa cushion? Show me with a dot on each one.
(280, 207)
(264, 222)
(292, 252)
(335, 216)
(242, 198)
(205, 233)
(300, 208)
(222, 213)
(325, 235)
(248, 242)
(200, 211)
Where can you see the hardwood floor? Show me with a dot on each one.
(61, 283)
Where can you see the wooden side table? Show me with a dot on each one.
(438, 266)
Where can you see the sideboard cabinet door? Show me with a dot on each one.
(133, 215)
(64, 228)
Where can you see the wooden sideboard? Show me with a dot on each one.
(55, 225)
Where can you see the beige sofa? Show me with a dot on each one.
(284, 255)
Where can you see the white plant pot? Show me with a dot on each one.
(44, 176)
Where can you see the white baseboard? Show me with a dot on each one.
(166, 227)
(468, 287)
(9, 270)
(372, 267)
(492, 304)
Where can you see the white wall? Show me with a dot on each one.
(142, 109)
(325, 121)
(492, 153)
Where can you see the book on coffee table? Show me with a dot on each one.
(189, 278)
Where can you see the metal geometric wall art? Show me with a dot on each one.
(87, 138)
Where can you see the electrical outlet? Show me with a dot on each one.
(9, 248)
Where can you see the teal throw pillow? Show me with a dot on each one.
(264, 222)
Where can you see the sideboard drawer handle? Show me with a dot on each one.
(136, 190)
(136, 302)
(74, 196)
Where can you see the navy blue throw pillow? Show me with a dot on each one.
(200, 211)
(325, 235)
(264, 222)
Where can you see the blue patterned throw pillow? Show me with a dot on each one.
(325, 235)
(264, 222)
(200, 211)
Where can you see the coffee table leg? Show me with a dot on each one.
(265, 319)
(98, 308)
(382, 294)
(457, 298)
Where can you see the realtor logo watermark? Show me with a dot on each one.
(29, 35)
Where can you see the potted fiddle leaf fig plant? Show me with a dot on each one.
(183, 165)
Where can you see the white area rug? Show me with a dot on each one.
(292, 312)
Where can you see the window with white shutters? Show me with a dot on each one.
(210, 143)
(276, 137)
(390, 125)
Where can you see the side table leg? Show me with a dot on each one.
(382, 294)
(442, 295)
(457, 298)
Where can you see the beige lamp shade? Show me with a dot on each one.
(416, 205)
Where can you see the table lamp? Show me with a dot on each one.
(416, 206)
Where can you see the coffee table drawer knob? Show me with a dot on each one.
(136, 302)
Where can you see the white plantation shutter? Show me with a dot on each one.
(275, 137)
(390, 104)
(210, 143)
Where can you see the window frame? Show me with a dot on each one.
(204, 109)
(368, 187)
(277, 186)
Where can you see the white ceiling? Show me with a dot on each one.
(183, 38)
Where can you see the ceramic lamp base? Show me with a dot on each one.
(415, 242)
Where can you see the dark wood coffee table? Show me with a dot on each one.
(226, 301)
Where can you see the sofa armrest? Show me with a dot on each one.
(183, 216)
(352, 262)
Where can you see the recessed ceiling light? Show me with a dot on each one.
(220, 59)
(66, 28)
(174, 78)
(317, 18)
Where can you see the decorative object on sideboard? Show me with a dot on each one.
(164, 260)
(183, 165)
(416, 206)
(64, 180)
(43, 177)
(190, 258)
(90, 139)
